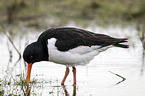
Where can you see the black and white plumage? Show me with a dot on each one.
(69, 46)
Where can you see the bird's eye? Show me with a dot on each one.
(31, 57)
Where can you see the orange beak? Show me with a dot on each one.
(29, 72)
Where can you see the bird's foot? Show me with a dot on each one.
(62, 84)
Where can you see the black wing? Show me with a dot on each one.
(68, 38)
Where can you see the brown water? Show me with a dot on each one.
(94, 79)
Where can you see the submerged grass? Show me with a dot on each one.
(15, 85)
(123, 78)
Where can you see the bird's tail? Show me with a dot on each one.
(120, 41)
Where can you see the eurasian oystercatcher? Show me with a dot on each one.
(68, 46)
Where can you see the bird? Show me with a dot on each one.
(68, 46)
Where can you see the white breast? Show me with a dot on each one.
(80, 55)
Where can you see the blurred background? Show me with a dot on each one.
(52, 13)
(22, 21)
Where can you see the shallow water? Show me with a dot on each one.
(94, 79)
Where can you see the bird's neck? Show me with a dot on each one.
(44, 52)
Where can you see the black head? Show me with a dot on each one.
(35, 52)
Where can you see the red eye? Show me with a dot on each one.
(31, 57)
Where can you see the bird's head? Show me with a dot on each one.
(34, 52)
(31, 53)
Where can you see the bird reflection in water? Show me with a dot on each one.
(66, 92)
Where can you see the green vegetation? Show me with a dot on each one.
(14, 84)
(60, 12)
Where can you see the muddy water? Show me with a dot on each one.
(115, 72)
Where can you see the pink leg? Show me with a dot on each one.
(65, 76)
(74, 75)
